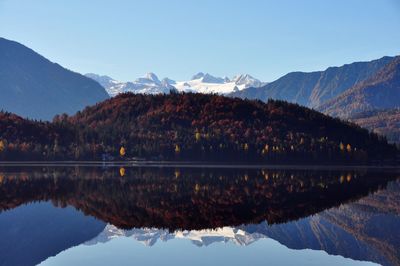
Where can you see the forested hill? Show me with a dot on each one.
(195, 127)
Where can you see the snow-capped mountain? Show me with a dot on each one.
(149, 236)
(149, 84)
(201, 82)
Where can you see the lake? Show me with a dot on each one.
(198, 215)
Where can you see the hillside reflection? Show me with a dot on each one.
(188, 198)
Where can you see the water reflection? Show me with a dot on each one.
(207, 205)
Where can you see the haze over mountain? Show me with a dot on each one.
(201, 82)
(34, 87)
(380, 91)
(314, 88)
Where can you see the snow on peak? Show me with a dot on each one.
(247, 80)
(201, 83)
(207, 78)
(167, 81)
(104, 81)
(153, 77)
(148, 79)
(198, 76)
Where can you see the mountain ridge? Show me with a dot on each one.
(200, 82)
(311, 89)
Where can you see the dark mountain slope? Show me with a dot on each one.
(314, 88)
(34, 87)
(381, 91)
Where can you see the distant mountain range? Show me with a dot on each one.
(201, 82)
(34, 87)
(314, 88)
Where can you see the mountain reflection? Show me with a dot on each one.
(207, 205)
(188, 198)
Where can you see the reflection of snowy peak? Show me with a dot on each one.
(201, 82)
(149, 236)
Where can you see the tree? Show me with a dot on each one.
(266, 148)
(122, 171)
(2, 146)
(348, 148)
(177, 149)
(341, 146)
(246, 147)
(122, 152)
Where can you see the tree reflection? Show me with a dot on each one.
(187, 198)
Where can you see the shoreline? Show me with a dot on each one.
(177, 164)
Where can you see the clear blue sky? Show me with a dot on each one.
(126, 39)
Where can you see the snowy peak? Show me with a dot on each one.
(198, 76)
(247, 80)
(200, 83)
(167, 81)
(149, 78)
(206, 83)
(104, 81)
(207, 78)
(149, 84)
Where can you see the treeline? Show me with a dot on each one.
(195, 127)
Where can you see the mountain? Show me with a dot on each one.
(189, 126)
(380, 91)
(383, 122)
(207, 78)
(34, 87)
(201, 82)
(314, 88)
(247, 81)
(149, 84)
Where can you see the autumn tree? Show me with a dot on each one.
(348, 148)
(2, 146)
(122, 152)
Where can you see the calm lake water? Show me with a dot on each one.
(92, 215)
